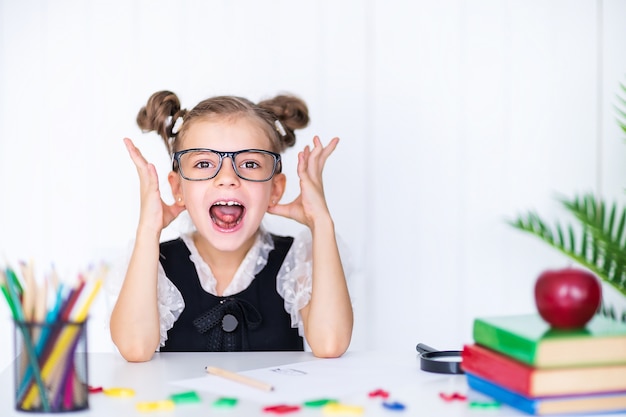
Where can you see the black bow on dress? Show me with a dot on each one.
(236, 317)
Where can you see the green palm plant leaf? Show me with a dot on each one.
(599, 244)
(619, 108)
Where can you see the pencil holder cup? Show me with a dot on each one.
(50, 367)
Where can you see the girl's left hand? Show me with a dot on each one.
(310, 205)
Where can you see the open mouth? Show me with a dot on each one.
(226, 214)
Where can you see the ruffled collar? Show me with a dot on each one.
(253, 263)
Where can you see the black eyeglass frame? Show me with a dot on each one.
(176, 162)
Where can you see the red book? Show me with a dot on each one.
(534, 382)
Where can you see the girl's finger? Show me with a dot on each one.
(317, 158)
(328, 150)
(130, 147)
(135, 153)
(322, 153)
(332, 145)
(303, 164)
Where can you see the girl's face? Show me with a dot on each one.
(227, 210)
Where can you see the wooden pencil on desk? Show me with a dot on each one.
(239, 378)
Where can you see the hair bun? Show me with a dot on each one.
(158, 114)
(291, 111)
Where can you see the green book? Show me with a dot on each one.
(531, 340)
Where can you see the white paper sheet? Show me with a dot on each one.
(317, 379)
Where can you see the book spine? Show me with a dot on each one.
(501, 395)
(505, 342)
(498, 368)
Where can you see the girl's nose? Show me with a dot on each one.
(226, 176)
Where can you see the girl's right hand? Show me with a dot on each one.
(155, 214)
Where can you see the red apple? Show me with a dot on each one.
(567, 298)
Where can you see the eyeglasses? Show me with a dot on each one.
(203, 164)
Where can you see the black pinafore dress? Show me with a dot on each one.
(252, 320)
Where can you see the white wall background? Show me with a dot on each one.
(454, 116)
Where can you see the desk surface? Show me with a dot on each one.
(152, 382)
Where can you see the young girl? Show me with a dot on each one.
(230, 285)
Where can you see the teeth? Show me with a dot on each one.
(227, 203)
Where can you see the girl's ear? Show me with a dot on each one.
(279, 182)
(177, 190)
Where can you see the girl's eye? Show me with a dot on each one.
(250, 165)
(203, 165)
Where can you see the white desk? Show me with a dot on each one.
(151, 381)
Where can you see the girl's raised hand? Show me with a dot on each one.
(310, 205)
(155, 214)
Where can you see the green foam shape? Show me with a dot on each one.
(185, 397)
(225, 402)
(319, 403)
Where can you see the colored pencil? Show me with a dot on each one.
(56, 332)
(28, 344)
(61, 345)
(28, 299)
(7, 296)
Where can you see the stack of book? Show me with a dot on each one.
(522, 362)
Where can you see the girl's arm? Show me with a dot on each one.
(135, 317)
(328, 317)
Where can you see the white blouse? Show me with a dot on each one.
(293, 282)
